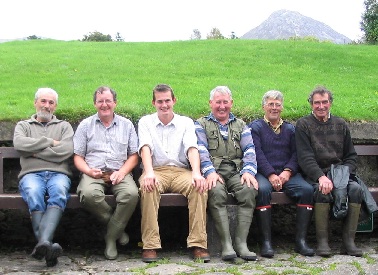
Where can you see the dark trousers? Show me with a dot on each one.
(295, 188)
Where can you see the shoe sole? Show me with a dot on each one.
(150, 260)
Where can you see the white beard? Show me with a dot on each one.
(44, 116)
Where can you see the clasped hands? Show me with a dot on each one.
(113, 177)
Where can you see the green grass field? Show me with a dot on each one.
(249, 67)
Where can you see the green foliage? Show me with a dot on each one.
(196, 35)
(309, 38)
(32, 37)
(233, 36)
(215, 34)
(249, 67)
(369, 23)
(97, 37)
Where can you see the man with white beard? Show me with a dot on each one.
(45, 145)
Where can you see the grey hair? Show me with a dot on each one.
(41, 91)
(274, 94)
(321, 90)
(222, 90)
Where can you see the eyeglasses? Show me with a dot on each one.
(106, 101)
(272, 104)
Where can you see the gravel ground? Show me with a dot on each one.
(285, 261)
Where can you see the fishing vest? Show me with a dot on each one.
(224, 150)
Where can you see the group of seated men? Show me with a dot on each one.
(204, 160)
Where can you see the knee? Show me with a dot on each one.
(246, 196)
(307, 191)
(217, 194)
(264, 190)
(91, 197)
(128, 196)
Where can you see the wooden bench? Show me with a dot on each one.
(14, 201)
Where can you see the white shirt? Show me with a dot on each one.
(169, 143)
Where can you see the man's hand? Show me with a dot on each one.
(212, 178)
(149, 182)
(250, 180)
(275, 181)
(56, 142)
(285, 176)
(94, 173)
(325, 185)
(199, 182)
(116, 177)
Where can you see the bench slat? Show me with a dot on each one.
(14, 201)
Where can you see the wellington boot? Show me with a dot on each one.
(244, 220)
(102, 211)
(221, 222)
(48, 224)
(114, 231)
(304, 215)
(123, 239)
(36, 218)
(53, 254)
(264, 222)
(349, 231)
(321, 224)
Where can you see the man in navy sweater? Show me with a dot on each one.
(277, 169)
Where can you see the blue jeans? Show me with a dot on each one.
(35, 186)
(295, 188)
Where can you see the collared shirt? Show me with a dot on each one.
(169, 143)
(246, 144)
(329, 115)
(105, 147)
(276, 129)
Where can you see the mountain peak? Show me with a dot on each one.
(285, 24)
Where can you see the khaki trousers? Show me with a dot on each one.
(173, 180)
(92, 197)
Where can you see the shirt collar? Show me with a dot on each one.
(274, 128)
(157, 121)
(115, 120)
(212, 117)
(329, 116)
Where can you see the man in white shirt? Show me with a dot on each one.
(168, 146)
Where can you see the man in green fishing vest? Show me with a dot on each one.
(228, 162)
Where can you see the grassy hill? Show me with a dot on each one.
(249, 67)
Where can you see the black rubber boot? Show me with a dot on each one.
(304, 215)
(49, 222)
(349, 231)
(36, 218)
(264, 222)
(321, 224)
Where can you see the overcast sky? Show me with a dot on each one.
(163, 20)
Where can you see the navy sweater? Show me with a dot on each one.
(274, 152)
